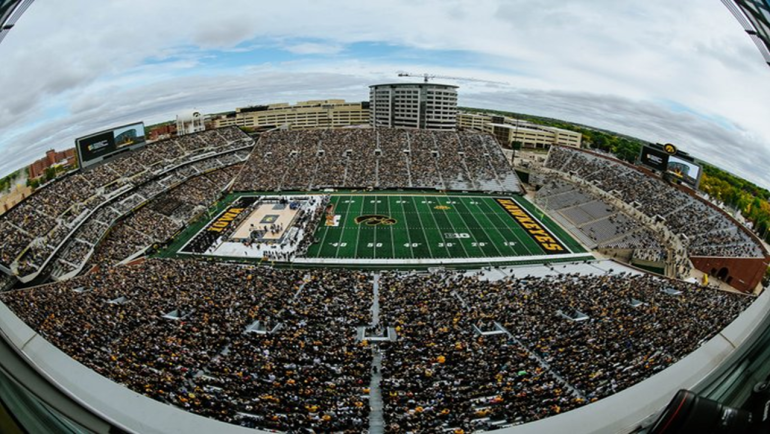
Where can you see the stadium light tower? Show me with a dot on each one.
(426, 77)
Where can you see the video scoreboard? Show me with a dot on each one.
(668, 160)
(98, 147)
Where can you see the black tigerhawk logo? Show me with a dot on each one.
(375, 220)
(670, 149)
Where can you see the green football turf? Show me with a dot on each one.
(430, 227)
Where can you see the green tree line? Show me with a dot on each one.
(748, 198)
(10, 180)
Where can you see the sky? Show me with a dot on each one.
(679, 71)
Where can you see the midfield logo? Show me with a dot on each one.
(375, 220)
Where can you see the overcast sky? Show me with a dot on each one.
(667, 71)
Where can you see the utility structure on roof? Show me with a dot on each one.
(426, 77)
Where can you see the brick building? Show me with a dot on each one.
(52, 157)
(162, 132)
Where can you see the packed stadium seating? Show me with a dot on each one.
(279, 349)
(299, 350)
(707, 232)
(36, 228)
(162, 217)
(378, 158)
(156, 222)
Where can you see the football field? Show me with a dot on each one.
(440, 229)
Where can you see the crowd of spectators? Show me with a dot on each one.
(473, 354)
(279, 349)
(706, 231)
(156, 223)
(441, 375)
(377, 158)
(50, 213)
(309, 223)
(264, 348)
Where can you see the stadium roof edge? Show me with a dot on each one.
(754, 17)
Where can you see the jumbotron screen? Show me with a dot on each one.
(100, 146)
(687, 171)
(654, 158)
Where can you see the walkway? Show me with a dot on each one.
(376, 418)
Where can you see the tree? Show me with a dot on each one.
(50, 173)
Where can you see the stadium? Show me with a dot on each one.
(377, 277)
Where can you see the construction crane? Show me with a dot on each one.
(427, 77)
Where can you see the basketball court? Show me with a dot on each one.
(263, 217)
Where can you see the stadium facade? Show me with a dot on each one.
(414, 105)
(329, 113)
(508, 130)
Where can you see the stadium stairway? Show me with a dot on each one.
(409, 169)
(376, 418)
(532, 355)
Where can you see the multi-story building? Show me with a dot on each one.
(414, 105)
(330, 113)
(190, 122)
(52, 158)
(509, 130)
(161, 132)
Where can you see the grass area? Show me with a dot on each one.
(427, 227)
(405, 225)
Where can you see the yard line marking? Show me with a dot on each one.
(342, 233)
(427, 242)
(427, 239)
(502, 237)
(390, 229)
(374, 247)
(499, 218)
(453, 230)
(479, 227)
(358, 232)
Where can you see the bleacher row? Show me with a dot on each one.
(162, 217)
(706, 231)
(279, 349)
(112, 236)
(599, 223)
(35, 228)
(378, 158)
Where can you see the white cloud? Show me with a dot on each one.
(314, 48)
(79, 67)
